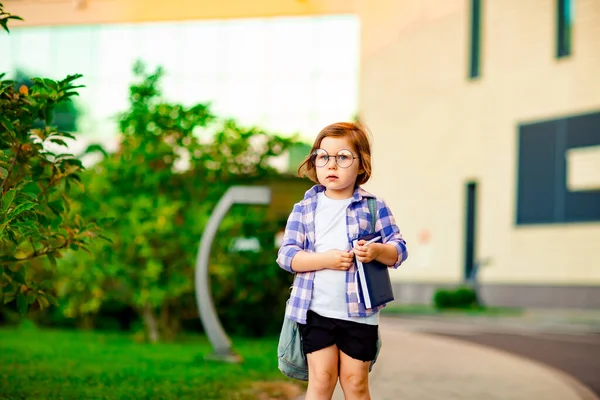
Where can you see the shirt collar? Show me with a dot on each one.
(359, 193)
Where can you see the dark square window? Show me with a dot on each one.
(543, 191)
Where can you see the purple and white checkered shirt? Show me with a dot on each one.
(300, 236)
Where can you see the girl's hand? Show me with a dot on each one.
(367, 253)
(338, 259)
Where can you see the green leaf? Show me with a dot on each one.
(85, 249)
(59, 142)
(25, 226)
(67, 207)
(52, 300)
(31, 196)
(48, 115)
(32, 188)
(106, 221)
(3, 173)
(9, 289)
(7, 199)
(22, 305)
(46, 284)
(56, 222)
(64, 155)
(21, 208)
(67, 135)
(73, 161)
(93, 148)
(7, 124)
(105, 238)
(19, 277)
(11, 236)
(56, 206)
(52, 259)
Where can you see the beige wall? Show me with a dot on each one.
(435, 130)
(66, 12)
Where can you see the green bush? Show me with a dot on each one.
(465, 297)
(36, 221)
(159, 189)
(461, 298)
(442, 298)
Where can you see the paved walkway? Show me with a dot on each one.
(417, 366)
(548, 321)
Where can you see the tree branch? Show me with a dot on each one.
(42, 253)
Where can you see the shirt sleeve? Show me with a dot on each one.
(293, 239)
(390, 231)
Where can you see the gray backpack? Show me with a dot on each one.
(291, 359)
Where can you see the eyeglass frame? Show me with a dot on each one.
(315, 153)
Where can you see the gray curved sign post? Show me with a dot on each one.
(216, 334)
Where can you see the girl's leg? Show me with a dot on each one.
(354, 378)
(322, 373)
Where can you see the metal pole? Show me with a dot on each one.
(208, 315)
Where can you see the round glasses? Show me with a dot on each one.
(344, 158)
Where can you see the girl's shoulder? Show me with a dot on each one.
(310, 196)
(365, 196)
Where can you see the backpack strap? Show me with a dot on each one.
(373, 209)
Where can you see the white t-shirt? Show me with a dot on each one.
(329, 287)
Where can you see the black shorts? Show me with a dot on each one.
(357, 340)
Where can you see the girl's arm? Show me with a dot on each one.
(331, 259)
(293, 239)
(293, 258)
(393, 250)
(386, 254)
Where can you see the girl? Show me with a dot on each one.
(339, 335)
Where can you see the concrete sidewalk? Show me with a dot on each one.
(531, 320)
(416, 366)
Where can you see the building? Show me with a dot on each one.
(486, 118)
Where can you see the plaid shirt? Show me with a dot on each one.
(300, 236)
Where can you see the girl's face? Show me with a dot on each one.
(338, 181)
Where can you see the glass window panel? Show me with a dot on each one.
(287, 75)
(116, 51)
(245, 47)
(33, 52)
(202, 48)
(72, 49)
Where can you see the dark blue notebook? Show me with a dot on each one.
(374, 284)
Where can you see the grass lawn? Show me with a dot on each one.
(417, 309)
(58, 364)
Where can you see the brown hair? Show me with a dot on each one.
(359, 139)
